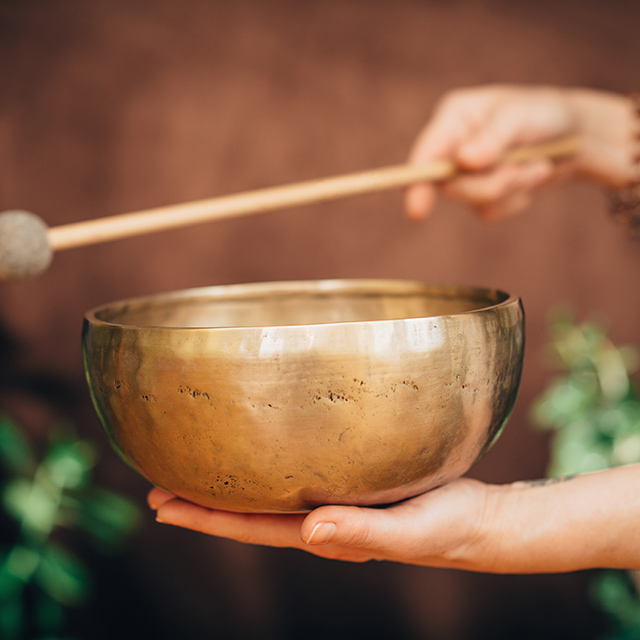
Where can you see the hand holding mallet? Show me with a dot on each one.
(27, 244)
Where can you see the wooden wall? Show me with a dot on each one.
(109, 106)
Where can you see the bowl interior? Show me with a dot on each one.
(303, 303)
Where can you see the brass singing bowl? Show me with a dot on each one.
(280, 397)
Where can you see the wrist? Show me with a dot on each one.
(540, 526)
(568, 524)
(624, 204)
(608, 128)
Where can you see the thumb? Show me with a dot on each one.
(348, 526)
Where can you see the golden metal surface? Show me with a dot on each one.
(279, 397)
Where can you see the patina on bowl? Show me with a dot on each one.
(279, 397)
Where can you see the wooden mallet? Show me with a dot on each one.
(27, 244)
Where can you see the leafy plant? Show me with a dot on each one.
(43, 500)
(593, 407)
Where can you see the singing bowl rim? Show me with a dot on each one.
(497, 298)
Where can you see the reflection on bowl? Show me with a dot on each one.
(279, 397)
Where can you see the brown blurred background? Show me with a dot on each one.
(108, 106)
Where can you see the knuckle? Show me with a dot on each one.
(358, 533)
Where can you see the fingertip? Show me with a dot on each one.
(312, 529)
(419, 201)
(168, 511)
(507, 208)
(157, 497)
(171, 512)
(341, 525)
(322, 533)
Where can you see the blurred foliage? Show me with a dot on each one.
(617, 594)
(593, 407)
(44, 498)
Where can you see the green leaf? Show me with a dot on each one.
(565, 399)
(630, 410)
(15, 451)
(612, 374)
(69, 463)
(9, 583)
(617, 598)
(107, 517)
(22, 562)
(579, 448)
(63, 577)
(32, 504)
(627, 450)
(12, 618)
(49, 614)
(612, 422)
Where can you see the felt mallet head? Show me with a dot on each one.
(25, 250)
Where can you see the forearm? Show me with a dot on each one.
(587, 521)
